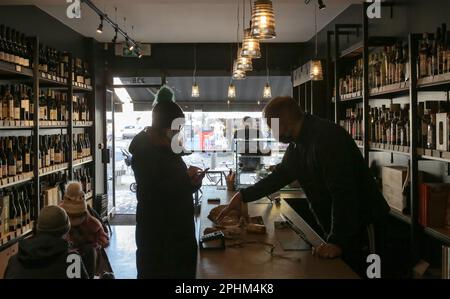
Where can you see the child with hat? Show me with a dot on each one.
(86, 234)
(45, 254)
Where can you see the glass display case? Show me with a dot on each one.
(255, 159)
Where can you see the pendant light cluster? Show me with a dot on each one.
(261, 27)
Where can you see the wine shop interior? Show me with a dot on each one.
(250, 139)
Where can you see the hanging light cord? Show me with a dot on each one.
(267, 63)
(237, 31)
(251, 12)
(195, 63)
(231, 62)
(243, 17)
(315, 25)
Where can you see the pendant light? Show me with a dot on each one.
(263, 20)
(195, 89)
(240, 65)
(243, 63)
(315, 72)
(238, 74)
(231, 91)
(267, 91)
(231, 88)
(250, 45)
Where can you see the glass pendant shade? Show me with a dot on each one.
(244, 64)
(237, 73)
(231, 91)
(316, 73)
(250, 46)
(263, 20)
(195, 91)
(267, 92)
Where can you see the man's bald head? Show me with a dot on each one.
(284, 108)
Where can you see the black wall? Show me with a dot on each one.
(35, 22)
(212, 59)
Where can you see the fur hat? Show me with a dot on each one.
(74, 202)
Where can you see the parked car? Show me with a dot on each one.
(129, 132)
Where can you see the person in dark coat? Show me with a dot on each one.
(343, 196)
(45, 255)
(165, 232)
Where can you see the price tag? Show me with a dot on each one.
(18, 68)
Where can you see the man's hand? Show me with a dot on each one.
(327, 251)
(196, 175)
(234, 205)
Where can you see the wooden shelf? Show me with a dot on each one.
(11, 238)
(53, 124)
(435, 155)
(79, 162)
(53, 169)
(394, 149)
(12, 70)
(391, 90)
(353, 51)
(79, 124)
(46, 80)
(16, 180)
(399, 215)
(78, 87)
(442, 234)
(16, 125)
(434, 81)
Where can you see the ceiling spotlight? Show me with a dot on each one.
(321, 5)
(100, 27)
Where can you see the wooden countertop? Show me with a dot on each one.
(254, 260)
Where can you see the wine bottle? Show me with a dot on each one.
(18, 155)
(11, 159)
(12, 213)
(3, 158)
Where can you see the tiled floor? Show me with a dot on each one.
(122, 252)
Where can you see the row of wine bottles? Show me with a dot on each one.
(18, 204)
(16, 48)
(17, 156)
(17, 105)
(434, 53)
(386, 125)
(389, 65)
(392, 125)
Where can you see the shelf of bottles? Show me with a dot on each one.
(388, 130)
(19, 187)
(433, 65)
(18, 213)
(389, 73)
(82, 149)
